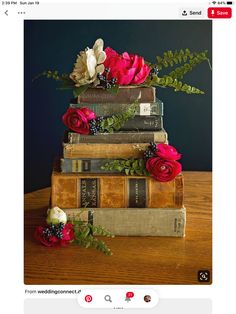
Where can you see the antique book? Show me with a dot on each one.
(101, 150)
(70, 190)
(126, 94)
(143, 123)
(77, 165)
(118, 137)
(108, 109)
(166, 222)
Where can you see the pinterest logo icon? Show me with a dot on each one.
(88, 298)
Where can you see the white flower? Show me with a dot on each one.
(56, 215)
(89, 64)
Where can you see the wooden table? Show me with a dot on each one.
(136, 260)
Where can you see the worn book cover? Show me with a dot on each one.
(143, 123)
(108, 109)
(70, 190)
(118, 137)
(126, 94)
(104, 150)
(166, 222)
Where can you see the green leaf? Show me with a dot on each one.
(79, 90)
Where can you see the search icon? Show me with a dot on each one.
(108, 298)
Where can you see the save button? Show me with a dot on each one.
(219, 13)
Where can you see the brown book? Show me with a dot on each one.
(125, 95)
(161, 222)
(100, 150)
(70, 190)
(117, 138)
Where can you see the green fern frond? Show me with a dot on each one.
(168, 81)
(170, 58)
(180, 71)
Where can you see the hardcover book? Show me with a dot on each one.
(144, 109)
(145, 123)
(72, 190)
(118, 137)
(126, 94)
(101, 150)
(136, 221)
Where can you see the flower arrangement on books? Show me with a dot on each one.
(84, 120)
(108, 69)
(60, 232)
(159, 162)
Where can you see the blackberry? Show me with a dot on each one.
(59, 234)
(100, 119)
(153, 147)
(101, 77)
(147, 154)
(61, 226)
(47, 232)
(108, 85)
(113, 81)
(92, 122)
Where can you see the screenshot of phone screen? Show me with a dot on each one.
(118, 118)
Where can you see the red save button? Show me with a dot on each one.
(219, 13)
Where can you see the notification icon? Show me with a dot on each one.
(129, 296)
(88, 298)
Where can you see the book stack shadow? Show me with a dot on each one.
(126, 205)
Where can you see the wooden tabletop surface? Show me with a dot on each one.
(135, 260)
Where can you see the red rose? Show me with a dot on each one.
(168, 152)
(53, 240)
(128, 69)
(77, 119)
(163, 170)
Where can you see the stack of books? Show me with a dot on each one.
(130, 205)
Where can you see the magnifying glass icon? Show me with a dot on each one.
(108, 298)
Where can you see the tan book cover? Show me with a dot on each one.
(166, 222)
(104, 150)
(77, 190)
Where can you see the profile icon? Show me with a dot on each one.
(147, 298)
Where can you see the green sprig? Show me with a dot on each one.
(127, 166)
(187, 61)
(116, 121)
(84, 235)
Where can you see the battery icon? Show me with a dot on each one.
(229, 2)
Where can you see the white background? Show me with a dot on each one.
(11, 176)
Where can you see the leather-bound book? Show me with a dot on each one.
(72, 190)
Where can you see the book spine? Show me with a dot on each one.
(169, 222)
(95, 150)
(113, 191)
(125, 95)
(144, 109)
(118, 137)
(76, 165)
(146, 123)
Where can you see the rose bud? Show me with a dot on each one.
(55, 216)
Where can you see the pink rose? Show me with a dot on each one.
(128, 69)
(167, 152)
(77, 119)
(163, 170)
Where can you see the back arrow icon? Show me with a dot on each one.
(6, 12)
